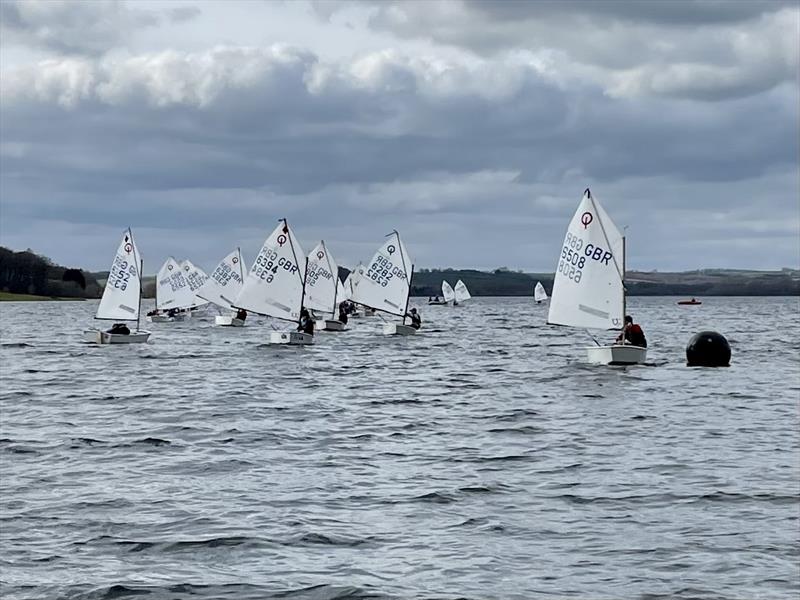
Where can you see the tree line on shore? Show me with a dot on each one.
(29, 273)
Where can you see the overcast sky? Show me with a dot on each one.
(471, 126)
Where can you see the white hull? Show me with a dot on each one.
(228, 321)
(291, 338)
(397, 329)
(95, 336)
(616, 355)
(329, 325)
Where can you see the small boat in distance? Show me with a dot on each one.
(461, 293)
(122, 298)
(539, 293)
(323, 288)
(691, 302)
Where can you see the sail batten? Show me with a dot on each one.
(588, 289)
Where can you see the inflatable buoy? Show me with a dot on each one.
(708, 349)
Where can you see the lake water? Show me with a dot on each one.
(479, 460)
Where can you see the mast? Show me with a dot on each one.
(408, 297)
(624, 299)
(303, 294)
(141, 286)
(241, 271)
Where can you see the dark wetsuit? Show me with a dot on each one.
(241, 314)
(306, 325)
(416, 320)
(120, 328)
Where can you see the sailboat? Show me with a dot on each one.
(539, 293)
(122, 297)
(350, 285)
(589, 286)
(223, 286)
(275, 285)
(323, 288)
(386, 284)
(173, 294)
(448, 295)
(195, 277)
(461, 292)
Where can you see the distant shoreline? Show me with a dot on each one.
(9, 297)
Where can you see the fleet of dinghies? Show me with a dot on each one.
(285, 284)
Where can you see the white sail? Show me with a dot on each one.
(225, 282)
(172, 288)
(385, 284)
(588, 288)
(350, 282)
(462, 293)
(274, 285)
(322, 293)
(120, 301)
(539, 293)
(195, 277)
(447, 292)
(341, 293)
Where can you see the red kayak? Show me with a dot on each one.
(691, 302)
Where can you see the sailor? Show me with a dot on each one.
(416, 320)
(632, 334)
(306, 324)
(343, 312)
(241, 314)
(120, 328)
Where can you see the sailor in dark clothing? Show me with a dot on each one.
(241, 314)
(632, 334)
(306, 324)
(120, 328)
(343, 312)
(416, 320)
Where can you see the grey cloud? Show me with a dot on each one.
(183, 14)
(698, 50)
(477, 164)
(71, 27)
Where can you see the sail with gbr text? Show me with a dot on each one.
(274, 285)
(588, 288)
(120, 301)
(321, 281)
(172, 288)
(384, 284)
(225, 282)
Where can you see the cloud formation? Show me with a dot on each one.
(476, 151)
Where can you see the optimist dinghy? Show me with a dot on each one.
(275, 285)
(122, 298)
(385, 285)
(461, 293)
(173, 294)
(539, 294)
(323, 288)
(589, 287)
(223, 286)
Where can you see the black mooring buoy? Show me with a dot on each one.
(708, 349)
